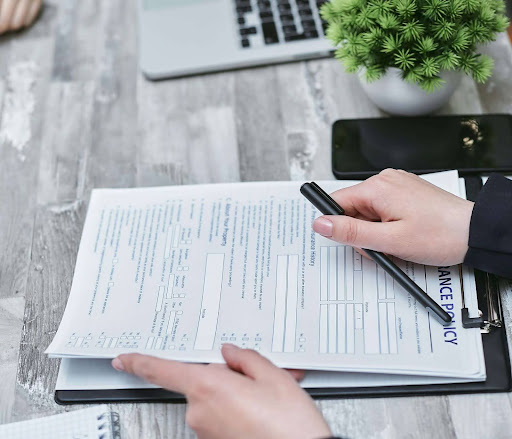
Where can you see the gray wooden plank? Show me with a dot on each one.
(63, 54)
(56, 237)
(465, 99)
(113, 146)
(66, 142)
(306, 120)
(212, 153)
(25, 88)
(77, 35)
(390, 418)
(87, 37)
(156, 421)
(160, 148)
(193, 143)
(496, 94)
(344, 94)
(477, 416)
(312, 96)
(11, 323)
(23, 79)
(261, 138)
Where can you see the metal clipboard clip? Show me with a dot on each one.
(490, 313)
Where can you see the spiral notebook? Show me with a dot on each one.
(93, 423)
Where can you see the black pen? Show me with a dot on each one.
(325, 204)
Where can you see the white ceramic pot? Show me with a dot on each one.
(393, 95)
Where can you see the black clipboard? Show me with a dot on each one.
(494, 338)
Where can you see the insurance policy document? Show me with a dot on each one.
(178, 271)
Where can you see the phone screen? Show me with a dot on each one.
(472, 144)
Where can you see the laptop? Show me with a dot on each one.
(187, 37)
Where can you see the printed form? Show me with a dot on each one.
(178, 271)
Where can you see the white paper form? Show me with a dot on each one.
(98, 374)
(177, 271)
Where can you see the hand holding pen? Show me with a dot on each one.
(402, 215)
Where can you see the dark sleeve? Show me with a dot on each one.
(490, 230)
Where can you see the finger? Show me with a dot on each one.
(297, 374)
(6, 13)
(218, 366)
(249, 362)
(35, 7)
(18, 18)
(357, 233)
(171, 375)
(356, 200)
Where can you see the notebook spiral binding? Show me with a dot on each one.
(109, 426)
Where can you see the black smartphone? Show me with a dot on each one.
(474, 145)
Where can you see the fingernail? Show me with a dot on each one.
(323, 226)
(117, 364)
(229, 346)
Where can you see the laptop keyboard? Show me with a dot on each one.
(265, 22)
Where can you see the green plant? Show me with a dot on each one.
(419, 37)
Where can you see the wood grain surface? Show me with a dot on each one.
(77, 114)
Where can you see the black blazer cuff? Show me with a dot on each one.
(490, 261)
(490, 231)
(491, 220)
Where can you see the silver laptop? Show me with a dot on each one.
(186, 37)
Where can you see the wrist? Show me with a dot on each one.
(465, 223)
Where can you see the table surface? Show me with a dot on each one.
(77, 114)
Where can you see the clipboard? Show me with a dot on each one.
(489, 320)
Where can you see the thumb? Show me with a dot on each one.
(355, 232)
(250, 363)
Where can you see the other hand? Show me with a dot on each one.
(400, 214)
(248, 397)
(17, 14)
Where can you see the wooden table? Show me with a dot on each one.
(77, 114)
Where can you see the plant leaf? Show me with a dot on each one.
(404, 59)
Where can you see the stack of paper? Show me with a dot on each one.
(178, 271)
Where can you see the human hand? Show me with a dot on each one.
(400, 214)
(247, 397)
(16, 14)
